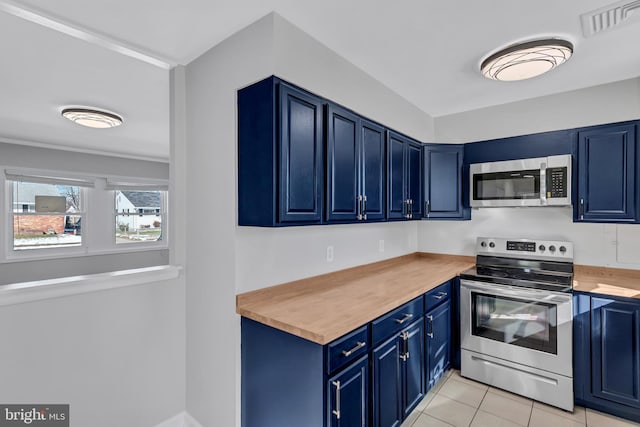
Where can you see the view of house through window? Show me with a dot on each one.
(138, 216)
(46, 215)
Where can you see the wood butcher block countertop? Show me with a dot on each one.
(607, 281)
(326, 307)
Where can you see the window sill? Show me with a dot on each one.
(17, 293)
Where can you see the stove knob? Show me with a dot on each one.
(541, 248)
(552, 248)
(563, 249)
(492, 245)
(483, 244)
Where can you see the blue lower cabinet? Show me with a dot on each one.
(375, 375)
(283, 378)
(398, 376)
(607, 354)
(386, 383)
(438, 342)
(349, 396)
(413, 368)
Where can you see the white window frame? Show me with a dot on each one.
(164, 195)
(98, 217)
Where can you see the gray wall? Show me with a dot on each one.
(244, 258)
(116, 356)
(607, 103)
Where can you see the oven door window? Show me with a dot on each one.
(515, 321)
(507, 185)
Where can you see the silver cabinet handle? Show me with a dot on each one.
(359, 216)
(405, 204)
(440, 295)
(581, 209)
(427, 208)
(336, 411)
(358, 346)
(405, 353)
(364, 207)
(405, 318)
(430, 334)
(410, 208)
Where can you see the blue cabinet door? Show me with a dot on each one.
(414, 179)
(386, 384)
(443, 181)
(607, 174)
(301, 156)
(396, 197)
(373, 176)
(413, 367)
(438, 342)
(355, 168)
(343, 158)
(615, 351)
(349, 396)
(404, 176)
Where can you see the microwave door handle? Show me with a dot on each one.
(543, 184)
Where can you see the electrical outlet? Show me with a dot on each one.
(380, 245)
(329, 253)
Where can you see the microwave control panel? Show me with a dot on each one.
(556, 182)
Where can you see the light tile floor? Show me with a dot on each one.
(457, 401)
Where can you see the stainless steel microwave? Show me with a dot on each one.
(542, 181)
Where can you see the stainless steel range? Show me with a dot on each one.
(516, 318)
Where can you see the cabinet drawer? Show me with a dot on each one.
(437, 296)
(348, 348)
(385, 326)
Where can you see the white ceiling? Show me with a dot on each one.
(426, 51)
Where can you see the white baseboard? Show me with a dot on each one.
(183, 419)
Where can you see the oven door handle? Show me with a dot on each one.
(548, 297)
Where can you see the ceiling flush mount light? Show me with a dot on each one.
(525, 60)
(92, 118)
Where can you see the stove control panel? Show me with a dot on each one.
(525, 248)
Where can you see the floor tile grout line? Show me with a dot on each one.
(475, 414)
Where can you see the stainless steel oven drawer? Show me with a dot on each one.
(544, 386)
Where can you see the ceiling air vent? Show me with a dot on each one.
(611, 16)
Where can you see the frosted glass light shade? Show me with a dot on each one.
(526, 60)
(92, 118)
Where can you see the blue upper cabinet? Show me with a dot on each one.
(414, 179)
(355, 167)
(443, 182)
(373, 170)
(404, 182)
(280, 155)
(343, 148)
(607, 168)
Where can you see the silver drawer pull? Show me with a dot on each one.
(358, 346)
(405, 318)
(440, 295)
(404, 356)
